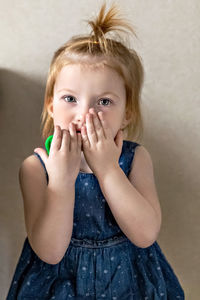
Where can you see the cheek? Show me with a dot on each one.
(61, 117)
(112, 124)
(111, 117)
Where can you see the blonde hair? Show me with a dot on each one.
(106, 51)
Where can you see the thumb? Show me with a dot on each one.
(119, 139)
(42, 153)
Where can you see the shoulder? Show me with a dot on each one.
(142, 165)
(142, 159)
(141, 154)
(30, 161)
(31, 167)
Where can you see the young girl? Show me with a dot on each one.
(91, 209)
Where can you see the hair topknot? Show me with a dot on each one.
(106, 22)
(97, 42)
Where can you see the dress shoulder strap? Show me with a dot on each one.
(43, 164)
(127, 156)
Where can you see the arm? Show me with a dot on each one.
(48, 211)
(133, 201)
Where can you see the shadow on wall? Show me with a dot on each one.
(21, 103)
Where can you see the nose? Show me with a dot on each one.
(80, 118)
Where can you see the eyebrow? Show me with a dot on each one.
(67, 90)
(73, 92)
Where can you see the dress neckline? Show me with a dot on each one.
(86, 173)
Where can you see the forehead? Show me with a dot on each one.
(96, 73)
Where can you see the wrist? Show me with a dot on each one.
(61, 185)
(108, 171)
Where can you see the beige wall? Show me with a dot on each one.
(169, 43)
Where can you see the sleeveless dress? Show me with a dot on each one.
(100, 261)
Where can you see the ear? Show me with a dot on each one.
(50, 109)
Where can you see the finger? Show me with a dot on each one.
(65, 141)
(85, 140)
(90, 129)
(98, 126)
(79, 141)
(73, 137)
(78, 138)
(106, 128)
(57, 138)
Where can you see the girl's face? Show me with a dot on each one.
(78, 88)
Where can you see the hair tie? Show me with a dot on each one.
(48, 143)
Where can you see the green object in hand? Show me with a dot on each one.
(48, 143)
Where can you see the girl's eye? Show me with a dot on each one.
(105, 101)
(69, 98)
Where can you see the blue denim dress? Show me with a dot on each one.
(100, 261)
